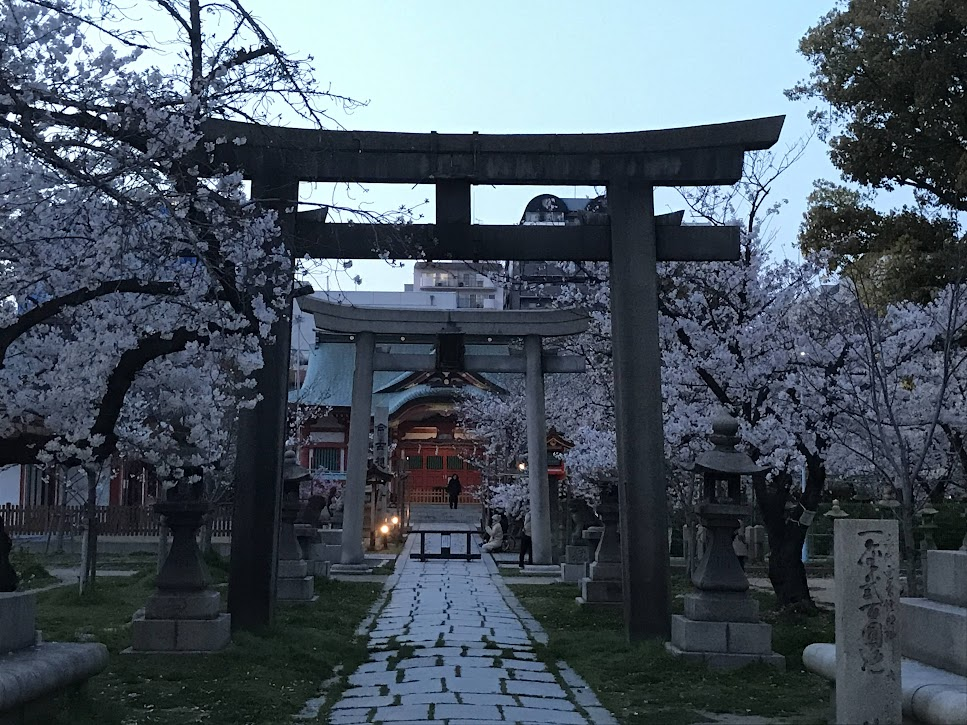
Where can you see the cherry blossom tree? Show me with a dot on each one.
(139, 281)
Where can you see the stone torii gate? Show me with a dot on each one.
(450, 331)
(629, 165)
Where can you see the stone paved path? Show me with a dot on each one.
(451, 646)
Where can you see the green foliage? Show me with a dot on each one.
(900, 255)
(642, 683)
(893, 74)
(260, 679)
(31, 570)
(890, 81)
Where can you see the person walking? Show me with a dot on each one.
(453, 489)
(526, 545)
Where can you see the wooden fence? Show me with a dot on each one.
(111, 520)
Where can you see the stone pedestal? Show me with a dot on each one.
(603, 585)
(575, 566)
(867, 621)
(31, 669)
(184, 614)
(18, 614)
(721, 622)
(293, 581)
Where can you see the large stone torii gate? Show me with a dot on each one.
(450, 331)
(629, 165)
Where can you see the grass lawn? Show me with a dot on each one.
(259, 679)
(642, 683)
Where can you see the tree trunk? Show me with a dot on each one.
(89, 546)
(787, 531)
(787, 572)
(62, 509)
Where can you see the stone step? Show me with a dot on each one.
(934, 633)
(947, 577)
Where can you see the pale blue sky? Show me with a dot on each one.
(568, 67)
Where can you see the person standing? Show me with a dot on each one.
(526, 545)
(453, 489)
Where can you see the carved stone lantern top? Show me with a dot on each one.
(292, 472)
(724, 458)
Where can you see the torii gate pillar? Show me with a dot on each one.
(638, 414)
(540, 505)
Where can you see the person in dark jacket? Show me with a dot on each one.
(453, 489)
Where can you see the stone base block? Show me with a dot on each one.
(297, 589)
(180, 635)
(18, 617)
(753, 638)
(574, 572)
(600, 592)
(332, 537)
(35, 672)
(325, 552)
(292, 569)
(190, 605)
(934, 633)
(319, 568)
(577, 554)
(947, 577)
(726, 660)
(365, 568)
(542, 569)
(605, 571)
(721, 607)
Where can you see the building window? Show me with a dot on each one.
(414, 463)
(434, 463)
(326, 458)
(454, 463)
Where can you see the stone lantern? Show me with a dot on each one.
(293, 582)
(721, 623)
(184, 613)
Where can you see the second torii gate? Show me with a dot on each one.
(450, 331)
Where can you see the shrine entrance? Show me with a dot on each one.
(456, 337)
(629, 165)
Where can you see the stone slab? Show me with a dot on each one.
(29, 674)
(18, 620)
(600, 571)
(190, 605)
(690, 635)
(331, 537)
(577, 554)
(292, 569)
(947, 577)
(930, 695)
(749, 638)
(295, 590)
(934, 633)
(600, 592)
(721, 607)
(573, 573)
(351, 569)
(325, 552)
(180, 635)
(728, 660)
(541, 569)
(867, 621)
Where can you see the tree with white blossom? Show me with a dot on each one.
(139, 279)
